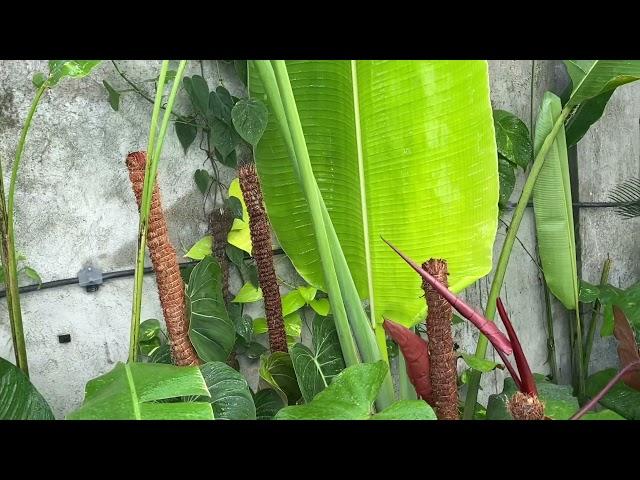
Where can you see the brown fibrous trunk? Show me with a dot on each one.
(220, 222)
(261, 250)
(165, 265)
(526, 407)
(441, 353)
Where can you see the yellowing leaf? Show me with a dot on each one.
(201, 249)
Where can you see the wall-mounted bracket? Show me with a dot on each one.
(90, 278)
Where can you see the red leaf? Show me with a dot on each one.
(416, 354)
(627, 347)
(488, 328)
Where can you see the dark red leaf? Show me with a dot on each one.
(488, 328)
(627, 347)
(416, 354)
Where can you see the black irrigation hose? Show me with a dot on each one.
(105, 276)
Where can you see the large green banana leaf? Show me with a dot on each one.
(402, 149)
(553, 209)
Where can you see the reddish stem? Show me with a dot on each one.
(499, 341)
(594, 401)
(528, 383)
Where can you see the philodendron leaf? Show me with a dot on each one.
(292, 325)
(277, 370)
(622, 399)
(248, 294)
(211, 331)
(186, 133)
(250, 118)
(507, 175)
(316, 369)
(19, 399)
(59, 69)
(229, 392)
(321, 306)
(114, 96)
(512, 138)
(161, 355)
(479, 364)
(268, 403)
(133, 391)
(198, 91)
(350, 397)
(201, 249)
(559, 403)
(149, 329)
(292, 301)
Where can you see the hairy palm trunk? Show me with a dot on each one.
(443, 360)
(165, 265)
(261, 249)
(220, 222)
(526, 407)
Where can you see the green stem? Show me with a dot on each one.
(503, 261)
(154, 150)
(8, 240)
(551, 339)
(604, 279)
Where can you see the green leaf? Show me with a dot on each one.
(277, 370)
(59, 69)
(149, 329)
(203, 180)
(234, 206)
(255, 350)
(114, 96)
(32, 274)
(223, 137)
(132, 391)
(621, 399)
(308, 293)
(248, 294)
(268, 403)
(250, 119)
(38, 79)
(585, 115)
(588, 293)
(247, 270)
(292, 325)
(19, 399)
(241, 70)
(198, 92)
(414, 119)
(507, 175)
(407, 410)
(512, 138)
(161, 355)
(592, 78)
(316, 369)
(149, 347)
(321, 306)
(230, 394)
(350, 397)
(291, 302)
(186, 133)
(201, 248)
(480, 364)
(211, 331)
(602, 415)
(553, 209)
(559, 403)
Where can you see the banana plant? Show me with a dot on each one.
(358, 121)
(593, 84)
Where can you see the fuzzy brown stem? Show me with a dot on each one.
(526, 407)
(261, 250)
(441, 354)
(220, 222)
(165, 265)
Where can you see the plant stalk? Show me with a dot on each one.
(503, 261)
(604, 279)
(9, 245)
(154, 151)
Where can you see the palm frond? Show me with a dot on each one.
(627, 196)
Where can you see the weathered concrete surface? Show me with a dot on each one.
(74, 205)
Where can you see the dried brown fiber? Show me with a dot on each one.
(220, 221)
(441, 354)
(165, 265)
(261, 250)
(526, 407)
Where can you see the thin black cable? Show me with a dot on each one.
(105, 276)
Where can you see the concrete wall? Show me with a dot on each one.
(74, 205)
